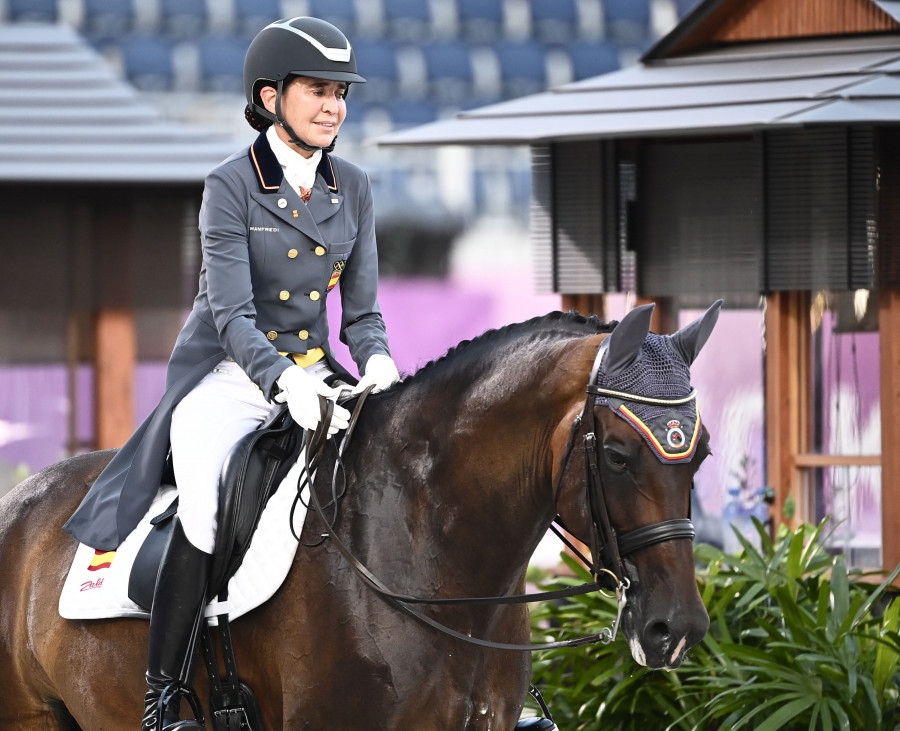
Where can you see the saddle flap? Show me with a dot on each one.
(142, 580)
(255, 466)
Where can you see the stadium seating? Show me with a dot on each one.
(147, 60)
(411, 112)
(480, 21)
(251, 16)
(184, 18)
(341, 13)
(450, 74)
(222, 63)
(554, 22)
(377, 62)
(683, 7)
(593, 58)
(108, 18)
(423, 59)
(627, 21)
(522, 66)
(41, 11)
(408, 20)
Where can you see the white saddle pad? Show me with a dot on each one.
(97, 584)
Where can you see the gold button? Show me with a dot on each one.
(292, 254)
(271, 335)
(314, 295)
(283, 295)
(320, 251)
(304, 334)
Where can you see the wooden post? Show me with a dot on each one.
(586, 304)
(889, 339)
(115, 360)
(787, 400)
(665, 314)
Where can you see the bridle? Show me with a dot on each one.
(607, 548)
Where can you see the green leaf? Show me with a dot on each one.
(786, 713)
(887, 654)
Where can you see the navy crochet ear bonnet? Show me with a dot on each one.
(658, 373)
(645, 379)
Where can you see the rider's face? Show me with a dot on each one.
(313, 108)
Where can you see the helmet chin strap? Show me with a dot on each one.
(294, 138)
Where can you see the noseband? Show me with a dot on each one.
(608, 548)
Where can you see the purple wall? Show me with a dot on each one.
(424, 317)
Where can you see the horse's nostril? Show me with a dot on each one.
(658, 632)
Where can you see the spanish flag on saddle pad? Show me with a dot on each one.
(101, 560)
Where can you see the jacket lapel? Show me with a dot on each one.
(275, 195)
(326, 199)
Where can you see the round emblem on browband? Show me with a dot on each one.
(674, 434)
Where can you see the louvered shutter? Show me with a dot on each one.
(573, 218)
(820, 202)
(699, 220)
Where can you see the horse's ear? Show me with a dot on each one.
(624, 343)
(691, 338)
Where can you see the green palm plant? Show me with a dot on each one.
(796, 641)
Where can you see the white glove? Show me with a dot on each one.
(380, 372)
(301, 391)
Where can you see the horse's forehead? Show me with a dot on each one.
(672, 431)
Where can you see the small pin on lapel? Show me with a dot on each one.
(282, 202)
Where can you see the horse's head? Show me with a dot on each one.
(648, 444)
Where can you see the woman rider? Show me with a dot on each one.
(281, 223)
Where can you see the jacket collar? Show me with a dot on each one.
(269, 173)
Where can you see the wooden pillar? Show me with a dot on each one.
(665, 314)
(114, 367)
(586, 304)
(787, 369)
(889, 339)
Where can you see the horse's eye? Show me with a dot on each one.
(616, 458)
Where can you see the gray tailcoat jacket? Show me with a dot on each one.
(269, 262)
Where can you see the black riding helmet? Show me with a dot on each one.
(294, 47)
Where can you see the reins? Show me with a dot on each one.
(314, 448)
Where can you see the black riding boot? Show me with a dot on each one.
(174, 625)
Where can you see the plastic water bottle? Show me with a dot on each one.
(731, 516)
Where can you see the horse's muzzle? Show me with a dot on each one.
(665, 638)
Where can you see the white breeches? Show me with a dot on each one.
(206, 424)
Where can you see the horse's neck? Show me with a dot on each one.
(458, 479)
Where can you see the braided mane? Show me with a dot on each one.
(523, 336)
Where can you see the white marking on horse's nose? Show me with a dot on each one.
(677, 651)
(637, 652)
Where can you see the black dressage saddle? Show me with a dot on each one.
(254, 468)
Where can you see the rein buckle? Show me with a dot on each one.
(608, 634)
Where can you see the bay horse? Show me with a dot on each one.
(452, 478)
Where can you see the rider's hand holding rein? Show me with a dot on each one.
(380, 372)
(301, 391)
